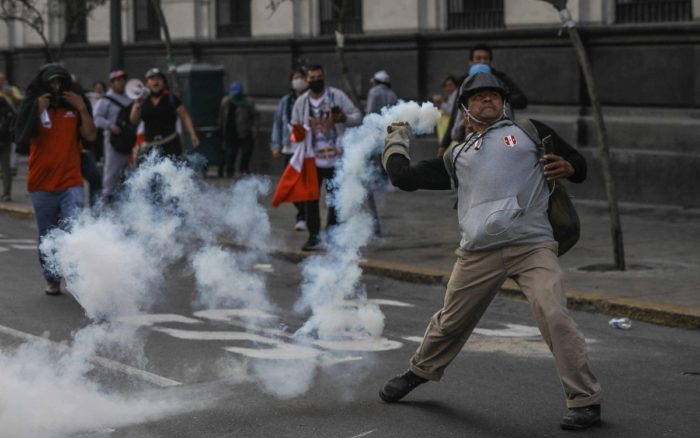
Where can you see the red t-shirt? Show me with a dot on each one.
(54, 153)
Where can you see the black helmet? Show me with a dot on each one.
(481, 81)
(49, 72)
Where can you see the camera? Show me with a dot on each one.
(55, 98)
(335, 109)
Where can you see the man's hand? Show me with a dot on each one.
(114, 129)
(43, 102)
(396, 125)
(195, 139)
(276, 153)
(75, 100)
(556, 167)
(338, 117)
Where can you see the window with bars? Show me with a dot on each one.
(146, 24)
(232, 18)
(75, 16)
(474, 14)
(345, 15)
(652, 11)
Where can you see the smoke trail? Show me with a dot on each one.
(114, 266)
(330, 280)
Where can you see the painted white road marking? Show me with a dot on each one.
(110, 364)
(364, 344)
(364, 433)
(511, 331)
(24, 247)
(149, 319)
(226, 315)
(197, 335)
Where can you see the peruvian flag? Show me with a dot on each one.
(299, 181)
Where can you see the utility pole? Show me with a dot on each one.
(115, 35)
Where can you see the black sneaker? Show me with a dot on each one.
(313, 244)
(398, 387)
(581, 418)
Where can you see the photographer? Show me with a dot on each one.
(53, 122)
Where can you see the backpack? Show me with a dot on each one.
(125, 141)
(7, 122)
(561, 212)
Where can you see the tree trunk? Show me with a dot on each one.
(168, 46)
(615, 226)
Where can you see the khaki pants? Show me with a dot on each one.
(476, 278)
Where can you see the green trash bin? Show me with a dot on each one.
(201, 88)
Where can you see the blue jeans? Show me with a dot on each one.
(51, 210)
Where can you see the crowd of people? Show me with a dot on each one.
(495, 163)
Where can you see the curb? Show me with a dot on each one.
(638, 310)
(15, 210)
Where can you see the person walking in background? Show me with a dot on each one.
(159, 109)
(10, 97)
(53, 122)
(327, 111)
(481, 54)
(502, 192)
(379, 96)
(238, 123)
(106, 112)
(88, 162)
(281, 144)
(15, 97)
(445, 102)
(99, 89)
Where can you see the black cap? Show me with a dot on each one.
(154, 72)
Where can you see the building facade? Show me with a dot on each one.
(645, 56)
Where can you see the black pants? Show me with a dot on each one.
(313, 213)
(5, 152)
(92, 175)
(232, 147)
(300, 206)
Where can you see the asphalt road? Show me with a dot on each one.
(193, 372)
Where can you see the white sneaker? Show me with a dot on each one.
(300, 226)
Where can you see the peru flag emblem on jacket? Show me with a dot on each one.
(510, 140)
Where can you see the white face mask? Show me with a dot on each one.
(298, 84)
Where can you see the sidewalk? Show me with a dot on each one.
(419, 235)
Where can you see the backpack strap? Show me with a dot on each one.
(110, 98)
(531, 130)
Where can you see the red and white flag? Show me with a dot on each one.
(299, 181)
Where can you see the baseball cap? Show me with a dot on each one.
(154, 72)
(117, 74)
(235, 88)
(382, 76)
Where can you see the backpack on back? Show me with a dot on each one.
(125, 141)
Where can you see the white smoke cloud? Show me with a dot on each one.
(46, 392)
(114, 266)
(334, 277)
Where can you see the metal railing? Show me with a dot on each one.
(330, 14)
(652, 11)
(474, 14)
